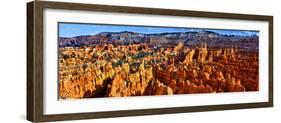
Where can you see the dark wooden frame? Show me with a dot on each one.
(35, 60)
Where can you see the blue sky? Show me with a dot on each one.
(74, 29)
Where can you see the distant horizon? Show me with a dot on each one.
(68, 30)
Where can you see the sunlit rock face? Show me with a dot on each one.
(202, 53)
(139, 69)
(133, 84)
(186, 87)
(117, 87)
(189, 57)
(161, 89)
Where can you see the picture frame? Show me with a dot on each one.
(36, 59)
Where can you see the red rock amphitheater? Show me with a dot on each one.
(138, 70)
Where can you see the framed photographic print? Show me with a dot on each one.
(97, 61)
